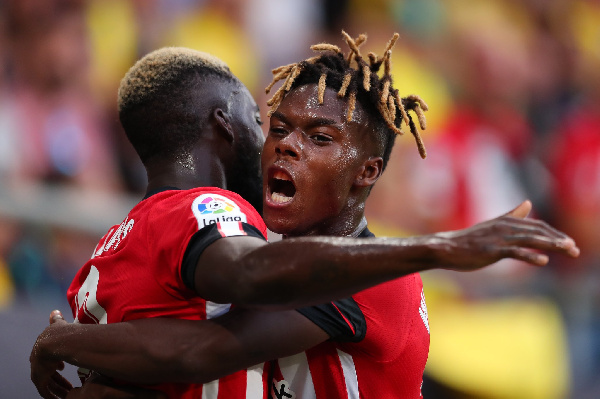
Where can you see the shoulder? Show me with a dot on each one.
(396, 317)
(206, 205)
(393, 297)
(214, 205)
(392, 309)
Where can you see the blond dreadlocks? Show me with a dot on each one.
(357, 80)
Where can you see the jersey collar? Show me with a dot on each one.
(159, 190)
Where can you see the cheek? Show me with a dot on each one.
(349, 157)
(341, 166)
(331, 179)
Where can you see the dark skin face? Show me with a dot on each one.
(317, 166)
(244, 175)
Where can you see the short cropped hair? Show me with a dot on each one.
(160, 100)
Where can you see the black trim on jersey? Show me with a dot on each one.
(199, 242)
(342, 320)
(366, 233)
(159, 190)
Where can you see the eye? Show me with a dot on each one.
(277, 131)
(321, 138)
(258, 119)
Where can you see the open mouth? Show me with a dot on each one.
(281, 187)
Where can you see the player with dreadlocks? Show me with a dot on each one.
(332, 126)
(333, 123)
(335, 70)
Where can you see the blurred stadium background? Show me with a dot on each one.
(514, 93)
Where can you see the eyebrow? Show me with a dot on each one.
(313, 121)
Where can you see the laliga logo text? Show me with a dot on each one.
(221, 219)
(213, 208)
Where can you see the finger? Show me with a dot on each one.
(41, 382)
(57, 390)
(521, 211)
(562, 245)
(525, 255)
(534, 227)
(62, 381)
(55, 316)
(539, 227)
(46, 393)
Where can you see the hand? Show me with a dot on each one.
(44, 370)
(512, 235)
(98, 387)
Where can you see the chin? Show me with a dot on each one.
(278, 224)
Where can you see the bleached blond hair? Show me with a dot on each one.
(165, 98)
(161, 68)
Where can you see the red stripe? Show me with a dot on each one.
(345, 319)
(219, 229)
(233, 386)
(326, 371)
(223, 234)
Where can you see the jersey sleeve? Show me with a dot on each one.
(396, 316)
(219, 214)
(206, 236)
(183, 223)
(342, 320)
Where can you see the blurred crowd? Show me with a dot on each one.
(513, 88)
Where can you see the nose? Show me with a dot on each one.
(290, 145)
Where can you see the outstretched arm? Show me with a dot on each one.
(309, 270)
(150, 351)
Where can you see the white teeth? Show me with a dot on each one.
(281, 176)
(280, 198)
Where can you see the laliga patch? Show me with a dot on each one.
(214, 208)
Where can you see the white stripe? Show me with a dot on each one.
(216, 309)
(230, 229)
(423, 311)
(210, 390)
(296, 372)
(349, 374)
(254, 381)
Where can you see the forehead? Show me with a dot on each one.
(303, 102)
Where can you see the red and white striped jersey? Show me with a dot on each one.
(378, 348)
(138, 271)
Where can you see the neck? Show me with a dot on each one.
(186, 174)
(345, 224)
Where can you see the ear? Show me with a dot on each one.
(223, 124)
(369, 172)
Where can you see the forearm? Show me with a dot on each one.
(151, 351)
(310, 270)
(143, 352)
(306, 271)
